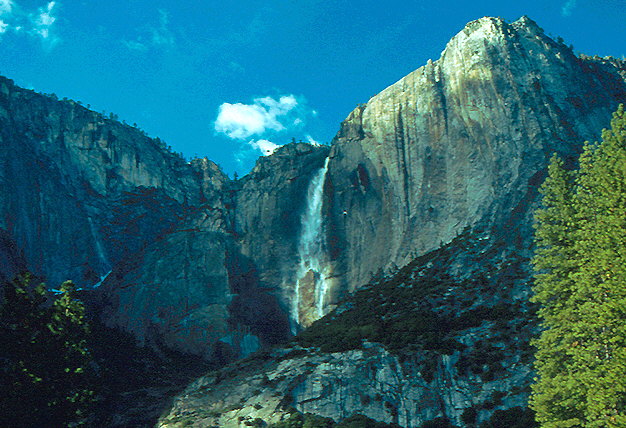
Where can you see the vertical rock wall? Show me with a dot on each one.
(62, 167)
(458, 142)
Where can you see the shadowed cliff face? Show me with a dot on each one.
(63, 171)
(461, 141)
(219, 284)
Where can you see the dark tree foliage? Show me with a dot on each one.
(45, 362)
(308, 420)
(580, 282)
(440, 422)
(515, 417)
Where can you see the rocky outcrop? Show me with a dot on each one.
(371, 382)
(468, 358)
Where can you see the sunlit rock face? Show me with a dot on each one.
(458, 147)
(458, 142)
(370, 382)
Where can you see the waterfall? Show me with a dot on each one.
(104, 262)
(311, 246)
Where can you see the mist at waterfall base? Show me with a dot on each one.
(311, 249)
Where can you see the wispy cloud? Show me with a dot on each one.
(153, 36)
(39, 23)
(568, 7)
(6, 6)
(135, 45)
(241, 121)
(6, 15)
(311, 140)
(161, 35)
(44, 20)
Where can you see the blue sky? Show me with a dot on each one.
(231, 79)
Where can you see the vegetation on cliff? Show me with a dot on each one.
(425, 308)
(580, 265)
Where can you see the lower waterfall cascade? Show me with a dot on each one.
(311, 247)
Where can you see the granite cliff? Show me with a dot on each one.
(461, 142)
(437, 173)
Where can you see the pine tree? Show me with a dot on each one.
(553, 395)
(68, 371)
(45, 371)
(580, 282)
(601, 280)
(23, 333)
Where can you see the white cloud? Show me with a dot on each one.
(280, 107)
(311, 140)
(266, 147)
(568, 7)
(255, 126)
(6, 6)
(240, 121)
(37, 23)
(44, 20)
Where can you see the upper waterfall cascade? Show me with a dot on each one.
(311, 247)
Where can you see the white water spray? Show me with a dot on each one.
(311, 246)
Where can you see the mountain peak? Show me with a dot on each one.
(527, 23)
(497, 31)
